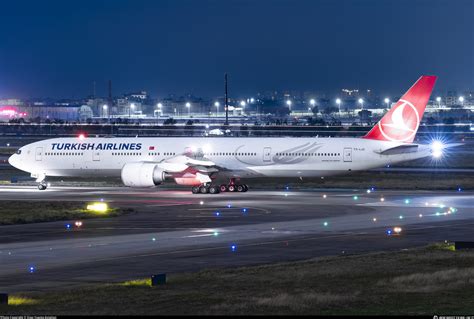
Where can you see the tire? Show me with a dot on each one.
(214, 190)
(246, 188)
(203, 190)
(195, 189)
(231, 188)
(42, 187)
(223, 188)
(240, 188)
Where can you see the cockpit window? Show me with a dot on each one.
(18, 152)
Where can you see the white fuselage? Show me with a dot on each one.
(243, 157)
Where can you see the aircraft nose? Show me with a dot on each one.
(13, 160)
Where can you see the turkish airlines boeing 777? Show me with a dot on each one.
(203, 162)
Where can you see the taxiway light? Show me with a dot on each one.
(244, 210)
(216, 234)
(355, 197)
(407, 201)
(368, 191)
(217, 214)
(98, 207)
(421, 215)
(78, 224)
(397, 230)
(389, 232)
(153, 239)
(325, 224)
(374, 219)
(229, 205)
(68, 226)
(459, 189)
(233, 247)
(201, 203)
(31, 269)
(401, 217)
(324, 196)
(382, 199)
(437, 214)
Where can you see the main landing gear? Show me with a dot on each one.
(216, 189)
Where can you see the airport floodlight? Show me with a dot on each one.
(159, 105)
(437, 149)
(242, 103)
(461, 99)
(252, 100)
(132, 106)
(312, 102)
(216, 104)
(361, 102)
(438, 99)
(288, 102)
(104, 106)
(338, 101)
(387, 100)
(188, 105)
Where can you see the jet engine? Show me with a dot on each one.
(142, 174)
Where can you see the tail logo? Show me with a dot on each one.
(402, 124)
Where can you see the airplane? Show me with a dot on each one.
(217, 164)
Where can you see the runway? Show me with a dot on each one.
(174, 231)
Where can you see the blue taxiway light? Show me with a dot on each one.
(229, 205)
(459, 189)
(244, 210)
(31, 269)
(233, 248)
(217, 214)
(68, 226)
(389, 232)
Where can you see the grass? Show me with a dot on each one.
(24, 212)
(423, 281)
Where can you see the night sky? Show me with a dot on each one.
(58, 48)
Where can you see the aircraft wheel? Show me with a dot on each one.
(203, 190)
(223, 188)
(246, 188)
(42, 186)
(240, 188)
(195, 189)
(231, 188)
(214, 190)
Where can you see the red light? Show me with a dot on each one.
(81, 136)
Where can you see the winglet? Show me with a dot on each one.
(401, 123)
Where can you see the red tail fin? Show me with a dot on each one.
(401, 122)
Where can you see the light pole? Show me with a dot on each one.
(438, 99)
(387, 101)
(188, 105)
(288, 102)
(242, 104)
(216, 104)
(312, 102)
(160, 108)
(361, 102)
(338, 102)
(461, 99)
(132, 107)
(104, 110)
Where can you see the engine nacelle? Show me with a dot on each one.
(142, 174)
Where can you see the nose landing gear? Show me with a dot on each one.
(42, 185)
